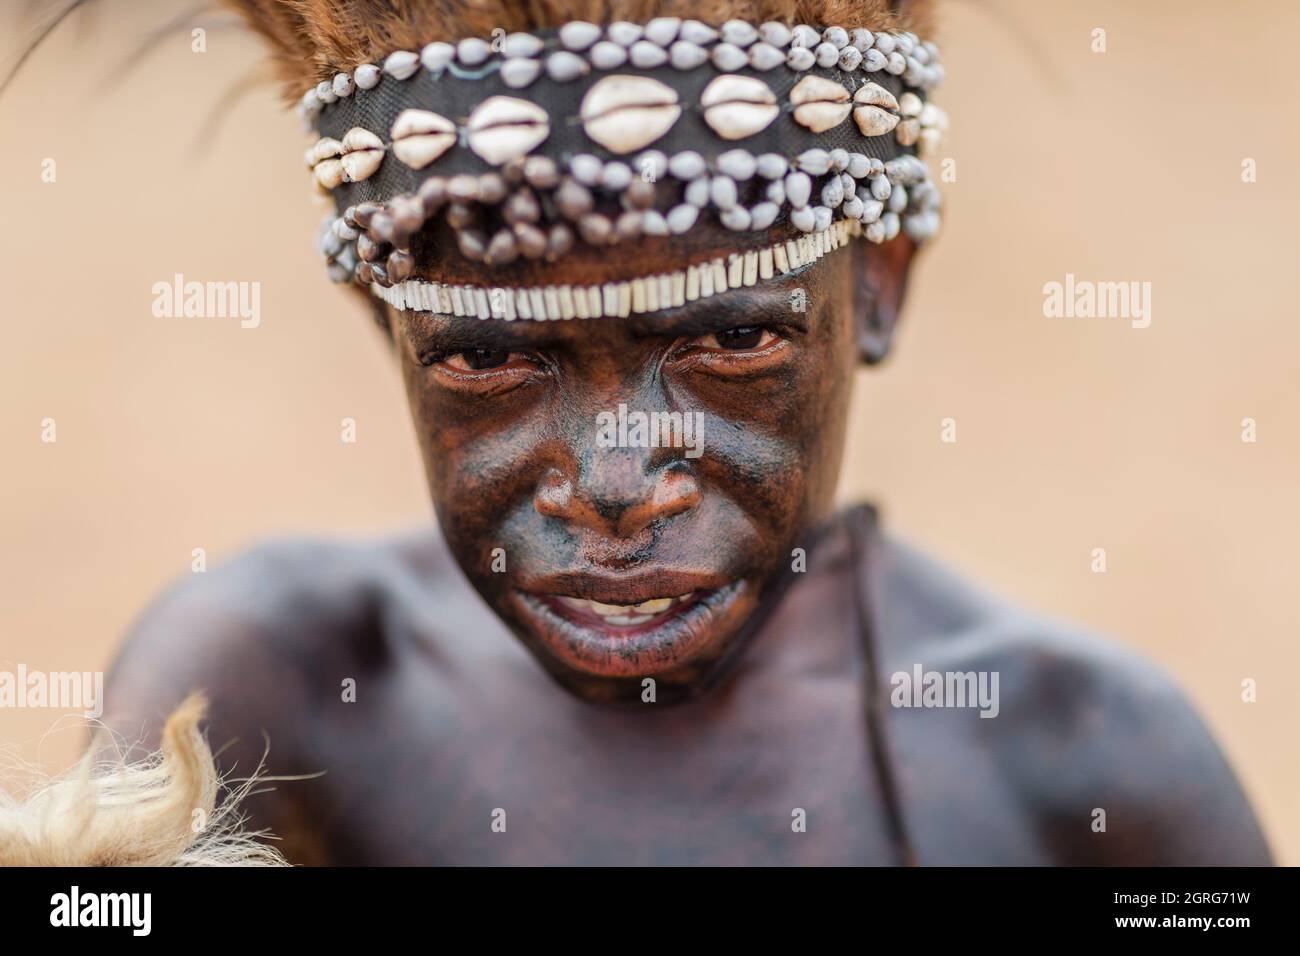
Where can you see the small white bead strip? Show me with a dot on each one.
(632, 297)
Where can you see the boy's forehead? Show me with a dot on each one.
(621, 169)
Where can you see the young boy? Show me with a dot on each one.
(629, 262)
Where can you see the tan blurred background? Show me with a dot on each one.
(1073, 434)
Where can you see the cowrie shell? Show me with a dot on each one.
(435, 56)
(623, 32)
(738, 106)
(687, 56)
(517, 72)
(521, 44)
(579, 34)
(608, 55)
(908, 131)
(473, 51)
(819, 104)
(402, 64)
(805, 36)
(366, 76)
(421, 136)
(324, 148)
(873, 94)
(363, 151)
(728, 57)
(329, 173)
(693, 31)
(873, 121)
(563, 66)
(800, 58)
(876, 112)
(777, 34)
(646, 55)
(624, 113)
(663, 30)
(503, 128)
(739, 32)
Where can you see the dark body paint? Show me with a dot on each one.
(454, 720)
(759, 709)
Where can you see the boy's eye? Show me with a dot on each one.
(737, 339)
(477, 360)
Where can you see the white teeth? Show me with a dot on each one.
(625, 615)
(655, 605)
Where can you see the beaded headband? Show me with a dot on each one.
(524, 145)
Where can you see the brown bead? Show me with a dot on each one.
(400, 266)
(460, 216)
(350, 217)
(513, 171)
(363, 212)
(472, 243)
(365, 275)
(541, 172)
(595, 229)
(640, 194)
(573, 199)
(522, 206)
(559, 241)
(368, 250)
(531, 240)
(380, 275)
(628, 225)
(432, 193)
(492, 188)
(381, 226)
(463, 188)
(501, 249)
(407, 213)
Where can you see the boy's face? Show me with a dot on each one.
(612, 560)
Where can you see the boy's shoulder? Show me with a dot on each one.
(1090, 736)
(932, 614)
(280, 624)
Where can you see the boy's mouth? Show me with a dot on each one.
(621, 616)
(626, 630)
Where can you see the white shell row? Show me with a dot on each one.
(683, 44)
(625, 113)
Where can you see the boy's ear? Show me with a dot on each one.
(879, 281)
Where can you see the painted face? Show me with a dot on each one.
(626, 493)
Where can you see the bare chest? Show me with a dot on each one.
(778, 774)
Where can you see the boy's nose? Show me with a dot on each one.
(617, 493)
